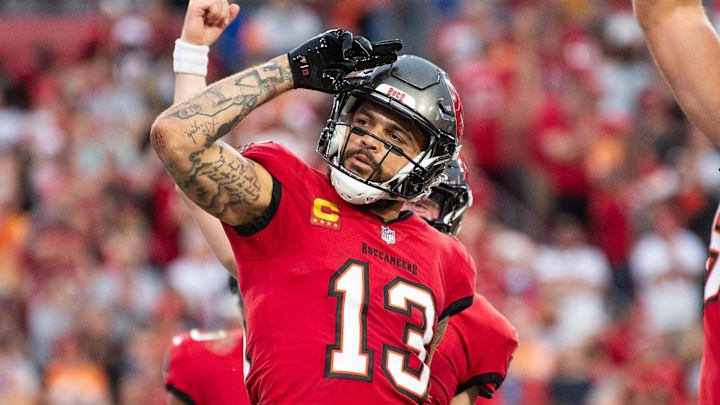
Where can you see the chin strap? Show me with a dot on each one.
(354, 191)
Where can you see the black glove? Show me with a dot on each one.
(323, 62)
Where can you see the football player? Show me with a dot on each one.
(686, 48)
(471, 361)
(206, 368)
(473, 358)
(339, 286)
(444, 208)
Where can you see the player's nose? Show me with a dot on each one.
(370, 142)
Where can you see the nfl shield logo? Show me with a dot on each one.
(388, 235)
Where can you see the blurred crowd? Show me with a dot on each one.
(594, 197)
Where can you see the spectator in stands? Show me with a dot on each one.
(666, 264)
(198, 277)
(573, 278)
(20, 379)
(72, 377)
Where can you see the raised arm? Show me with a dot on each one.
(205, 21)
(200, 33)
(214, 235)
(686, 48)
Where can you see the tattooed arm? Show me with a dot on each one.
(212, 174)
(218, 178)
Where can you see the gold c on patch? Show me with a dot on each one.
(325, 213)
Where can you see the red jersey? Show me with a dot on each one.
(710, 372)
(206, 368)
(340, 305)
(475, 351)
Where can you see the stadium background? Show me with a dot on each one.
(593, 195)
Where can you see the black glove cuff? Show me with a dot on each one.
(300, 69)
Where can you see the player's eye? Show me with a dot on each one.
(362, 122)
(396, 138)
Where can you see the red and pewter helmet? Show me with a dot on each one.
(453, 195)
(419, 91)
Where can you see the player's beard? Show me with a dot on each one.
(378, 174)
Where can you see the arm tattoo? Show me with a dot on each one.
(219, 183)
(249, 89)
(210, 172)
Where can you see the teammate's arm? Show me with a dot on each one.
(437, 337)
(686, 48)
(214, 235)
(205, 21)
(467, 397)
(187, 85)
(173, 400)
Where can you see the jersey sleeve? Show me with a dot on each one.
(489, 341)
(178, 371)
(266, 234)
(459, 281)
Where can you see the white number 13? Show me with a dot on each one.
(350, 358)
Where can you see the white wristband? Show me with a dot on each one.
(189, 58)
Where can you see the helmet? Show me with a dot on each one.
(419, 91)
(453, 195)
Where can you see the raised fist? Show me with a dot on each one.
(323, 62)
(205, 20)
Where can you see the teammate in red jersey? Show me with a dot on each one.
(686, 48)
(473, 358)
(339, 286)
(444, 208)
(207, 367)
